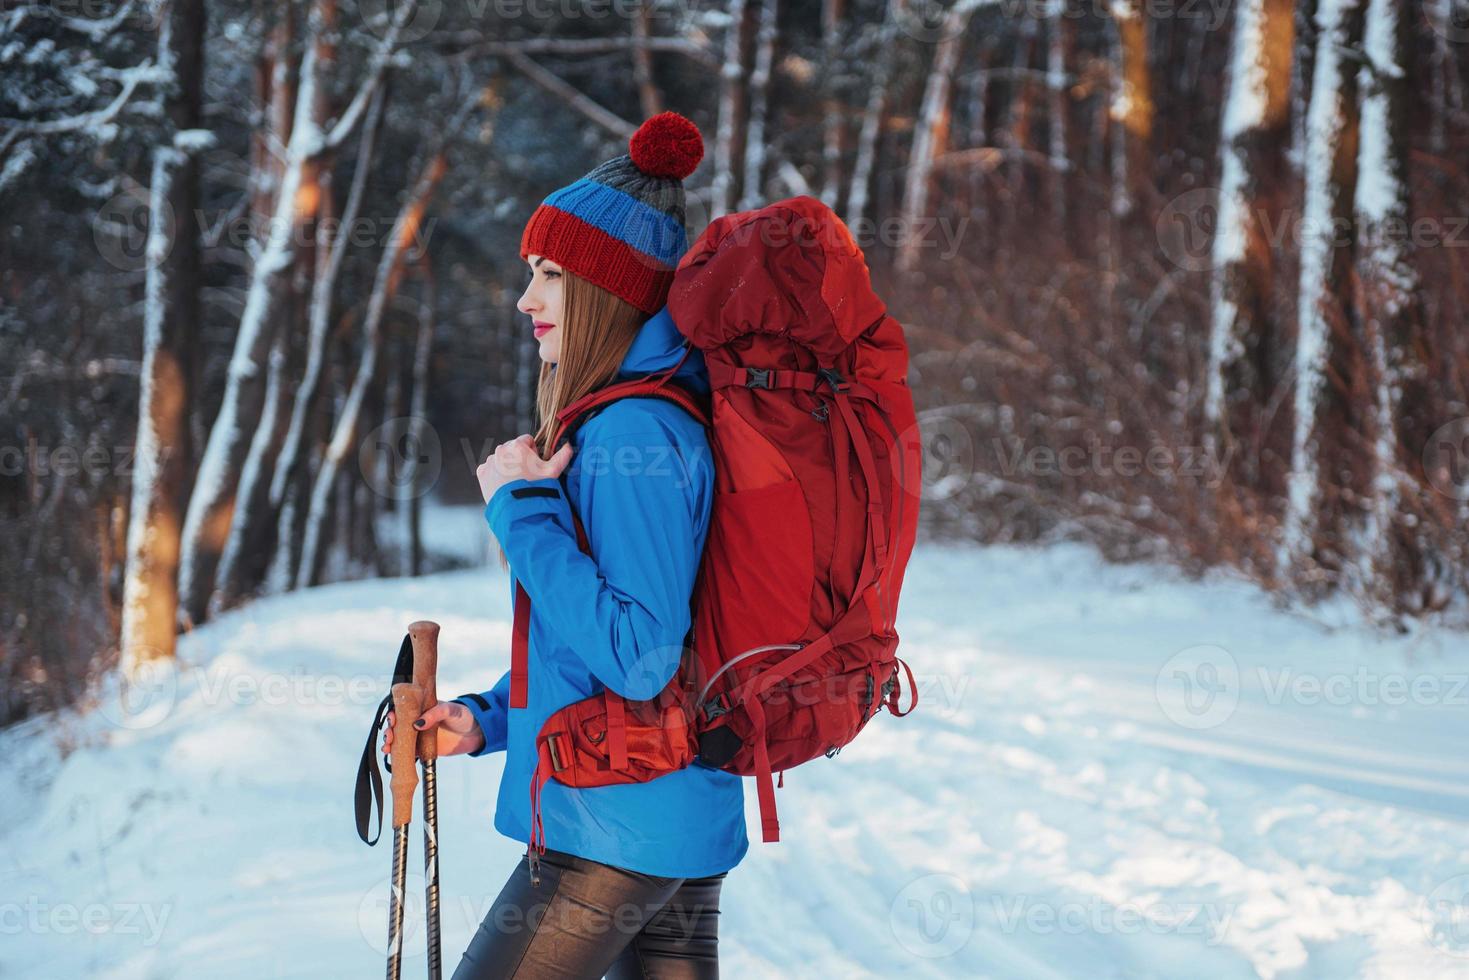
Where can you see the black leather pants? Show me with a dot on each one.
(588, 920)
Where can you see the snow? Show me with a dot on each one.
(1110, 772)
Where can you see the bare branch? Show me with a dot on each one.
(584, 46)
(88, 120)
(608, 120)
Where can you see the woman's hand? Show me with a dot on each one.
(452, 722)
(518, 460)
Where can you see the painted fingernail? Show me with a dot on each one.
(418, 723)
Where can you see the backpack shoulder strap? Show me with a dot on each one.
(580, 411)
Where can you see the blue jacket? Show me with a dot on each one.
(642, 482)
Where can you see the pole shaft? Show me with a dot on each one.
(395, 902)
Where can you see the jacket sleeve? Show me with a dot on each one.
(489, 711)
(624, 610)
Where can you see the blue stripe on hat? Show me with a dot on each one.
(624, 217)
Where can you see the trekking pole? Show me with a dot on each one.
(425, 636)
(406, 700)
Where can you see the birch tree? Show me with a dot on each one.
(162, 457)
(344, 435)
(759, 102)
(886, 54)
(1132, 104)
(833, 124)
(729, 136)
(207, 521)
(1313, 519)
(1392, 312)
(931, 132)
(1254, 131)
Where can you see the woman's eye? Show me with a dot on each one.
(550, 274)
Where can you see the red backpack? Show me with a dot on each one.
(817, 459)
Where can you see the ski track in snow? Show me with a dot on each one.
(1039, 815)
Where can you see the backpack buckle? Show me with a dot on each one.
(713, 709)
(757, 377)
(834, 378)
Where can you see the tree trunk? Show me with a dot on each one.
(1133, 105)
(163, 455)
(344, 437)
(211, 506)
(755, 150)
(931, 133)
(834, 127)
(1056, 84)
(1243, 328)
(872, 117)
(1322, 480)
(642, 62)
(1398, 531)
(729, 137)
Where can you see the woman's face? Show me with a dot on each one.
(542, 300)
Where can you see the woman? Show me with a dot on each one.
(629, 882)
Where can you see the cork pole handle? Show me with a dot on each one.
(425, 636)
(406, 701)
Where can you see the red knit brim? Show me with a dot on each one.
(597, 257)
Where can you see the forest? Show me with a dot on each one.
(1183, 281)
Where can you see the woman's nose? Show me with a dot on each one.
(525, 304)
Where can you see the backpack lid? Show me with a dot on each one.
(790, 268)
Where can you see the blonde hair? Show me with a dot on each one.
(597, 328)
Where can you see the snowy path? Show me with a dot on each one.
(1112, 773)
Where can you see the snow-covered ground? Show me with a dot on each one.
(1112, 773)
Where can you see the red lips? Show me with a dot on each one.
(541, 327)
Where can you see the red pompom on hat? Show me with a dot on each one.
(666, 145)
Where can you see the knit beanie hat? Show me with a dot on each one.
(622, 225)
